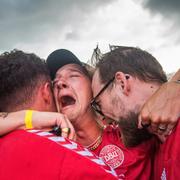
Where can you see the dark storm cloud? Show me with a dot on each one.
(170, 11)
(166, 7)
(28, 21)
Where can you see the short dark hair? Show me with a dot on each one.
(133, 61)
(20, 76)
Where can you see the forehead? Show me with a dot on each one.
(69, 68)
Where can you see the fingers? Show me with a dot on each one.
(44, 120)
(143, 124)
(170, 128)
(161, 125)
(65, 132)
(144, 119)
(66, 127)
(161, 129)
(71, 134)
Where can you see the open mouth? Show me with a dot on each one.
(67, 101)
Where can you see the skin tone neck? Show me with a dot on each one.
(87, 128)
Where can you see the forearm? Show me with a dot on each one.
(38, 120)
(11, 121)
(162, 109)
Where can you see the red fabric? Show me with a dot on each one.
(27, 156)
(167, 157)
(129, 163)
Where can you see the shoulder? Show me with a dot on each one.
(31, 146)
(47, 155)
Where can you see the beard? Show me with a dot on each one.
(131, 135)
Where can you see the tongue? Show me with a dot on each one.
(67, 100)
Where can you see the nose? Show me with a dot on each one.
(61, 84)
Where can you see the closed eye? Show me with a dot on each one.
(74, 75)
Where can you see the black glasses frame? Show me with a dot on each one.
(94, 104)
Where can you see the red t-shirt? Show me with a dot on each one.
(167, 157)
(30, 156)
(129, 163)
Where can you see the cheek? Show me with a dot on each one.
(106, 104)
(85, 96)
(84, 90)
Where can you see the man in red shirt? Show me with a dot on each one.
(123, 81)
(25, 84)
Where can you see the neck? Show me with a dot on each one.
(87, 129)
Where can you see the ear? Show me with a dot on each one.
(47, 95)
(122, 80)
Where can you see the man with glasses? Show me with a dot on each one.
(124, 80)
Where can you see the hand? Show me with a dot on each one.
(162, 110)
(42, 120)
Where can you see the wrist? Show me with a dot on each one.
(18, 117)
(28, 119)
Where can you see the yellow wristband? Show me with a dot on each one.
(28, 119)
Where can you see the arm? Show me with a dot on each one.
(40, 120)
(163, 108)
(11, 121)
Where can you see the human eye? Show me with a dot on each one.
(74, 75)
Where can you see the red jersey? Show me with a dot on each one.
(167, 157)
(41, 155)
(129, 163)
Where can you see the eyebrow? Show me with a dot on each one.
(75, 70)
(71, 70)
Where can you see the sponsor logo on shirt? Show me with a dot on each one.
(112, 155)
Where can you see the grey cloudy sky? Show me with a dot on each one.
(42, 26)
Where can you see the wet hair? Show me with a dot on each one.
(20, 76)
(133, 61)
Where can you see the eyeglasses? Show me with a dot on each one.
(94, 104)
